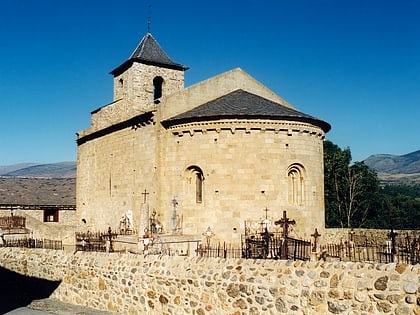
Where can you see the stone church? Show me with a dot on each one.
(217, 156)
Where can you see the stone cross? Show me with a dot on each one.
(174, 217)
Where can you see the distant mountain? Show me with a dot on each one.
(395, 164)
(14, 167)
(390, 168)
(396, 168)
(52, 170)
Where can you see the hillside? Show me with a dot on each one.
(390, 168)
(11, 168)
(396, 168)
(53, 170)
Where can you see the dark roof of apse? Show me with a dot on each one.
(149, 52)
(242, 104)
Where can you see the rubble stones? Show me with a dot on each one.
(136, 284)
(410, 288)
(381, 283)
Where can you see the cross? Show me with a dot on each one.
(145, 193)
(265, 222)
(174, 202)
(315, 235)
(284, 222)
(266, 212)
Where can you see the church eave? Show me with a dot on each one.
(313, 121)
(133, 123)
(25, 206)
(117, 71)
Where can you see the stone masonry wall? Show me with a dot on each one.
(134, 284)
(112, 172)
(338, 235)
(245, 166)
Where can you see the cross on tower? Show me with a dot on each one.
(145, 193)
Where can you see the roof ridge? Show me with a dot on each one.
(140, 45)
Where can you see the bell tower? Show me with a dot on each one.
(147, 75)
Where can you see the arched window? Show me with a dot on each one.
(296, 191)
(195, 180)
(157, 88)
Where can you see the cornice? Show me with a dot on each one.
(248, 126)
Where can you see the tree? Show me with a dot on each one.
(350, 190)
(336, 162)
(402, 206)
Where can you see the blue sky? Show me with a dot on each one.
(355, 64)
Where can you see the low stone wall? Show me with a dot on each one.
(135, 284)
(338, 235)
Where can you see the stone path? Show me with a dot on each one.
(49, 306)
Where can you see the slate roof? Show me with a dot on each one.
(242, 104)
(37, 191)
(149, 52)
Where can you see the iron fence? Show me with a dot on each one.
(371, 252)
(95, 241)
(262, 245)
(33, 243)
(13, 222)
(298, 249)
(274, 245)
(219, 250)
(258, 247)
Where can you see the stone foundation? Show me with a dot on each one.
(135, 284)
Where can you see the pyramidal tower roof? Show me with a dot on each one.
(149, 52)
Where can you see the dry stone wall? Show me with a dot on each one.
(134, 284)
(379, 236)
